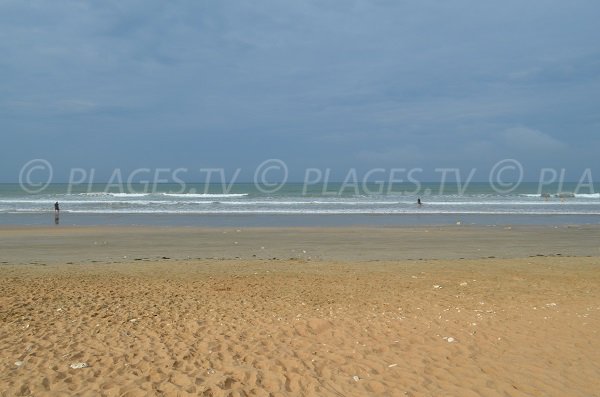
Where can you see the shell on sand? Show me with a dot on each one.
(79, 365)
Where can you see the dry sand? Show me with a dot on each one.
(346, 322)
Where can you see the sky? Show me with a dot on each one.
(336, 84)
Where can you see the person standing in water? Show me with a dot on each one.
(419, 203)
(56, 213)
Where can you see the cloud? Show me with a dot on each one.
(526, 139)
(403, 155)
(371, 81)
(49, 107)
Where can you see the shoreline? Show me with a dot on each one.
(96, 244)
(297, 220)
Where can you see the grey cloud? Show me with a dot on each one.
(351, 82)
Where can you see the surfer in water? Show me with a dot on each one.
(56, 208)
(419, 203)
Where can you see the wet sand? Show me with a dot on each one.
(85, 244)
(316, 312)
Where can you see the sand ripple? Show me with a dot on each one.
(279, 328)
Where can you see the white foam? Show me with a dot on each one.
(129, 194)
(93, 194)
(554, 195)
(587, 195)
(134, 202)
(204, 195)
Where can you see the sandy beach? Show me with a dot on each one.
(420, 311)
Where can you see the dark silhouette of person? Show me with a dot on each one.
(56, 213)
(419, 203)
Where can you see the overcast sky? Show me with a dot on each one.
(339, 84)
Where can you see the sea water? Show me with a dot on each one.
(298, 204)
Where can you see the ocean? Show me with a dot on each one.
(292, 204)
